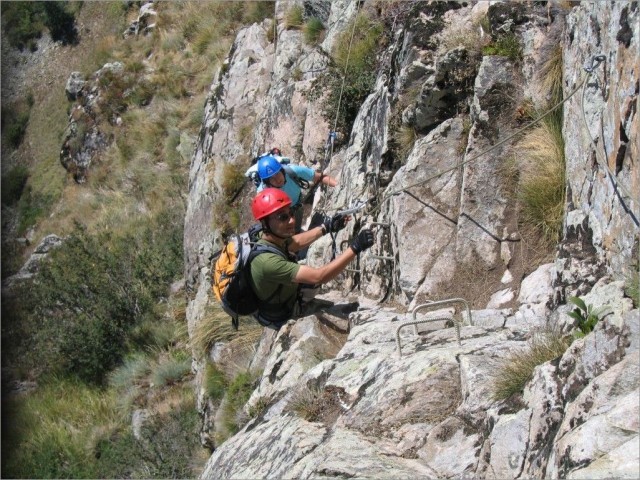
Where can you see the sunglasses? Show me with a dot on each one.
(284, 216)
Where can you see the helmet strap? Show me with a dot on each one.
(266, 229)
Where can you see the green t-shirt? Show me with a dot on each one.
(270, 271)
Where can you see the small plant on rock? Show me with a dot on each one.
(294, 17)
(308, 403)
(238, 393)
(518, 367)
(586, 315)
(506, 46)
(313, 30)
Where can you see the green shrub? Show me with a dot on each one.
(15, 118)
(238, 393)
(168, 449)
(23, 23)
(215, 383)
(313, 29)
(60, 21)
(96, 289)
(31, 207)
(13, 184)
(517, 369)
(354, 67)
(506, 46)
(586, 315)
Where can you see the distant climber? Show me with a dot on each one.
(291, 179)
(276, 279)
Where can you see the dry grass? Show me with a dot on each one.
(517, 369)
(471, 36)
(314, 404)
(294, 17)
(551, 74)
(542, 178)
(405, 137)
(215, 326)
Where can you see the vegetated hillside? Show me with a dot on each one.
(94, 334)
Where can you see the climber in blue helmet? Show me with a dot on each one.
(291, 179)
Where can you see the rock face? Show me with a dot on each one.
(601, 227)
(446, 226)
(429, 413)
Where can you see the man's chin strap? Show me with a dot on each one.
(266, 229)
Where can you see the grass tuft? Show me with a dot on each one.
(313, 30)
(294, 18)
(551, 73)
(238, 393)
(405, 138)
(170, 371)
(517, 370)
(542, 178)
(215, 382)
(309, 403)
(132, 372)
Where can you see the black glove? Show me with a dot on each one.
(363, 241)
(334, 224)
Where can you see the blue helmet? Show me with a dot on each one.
(268, 166)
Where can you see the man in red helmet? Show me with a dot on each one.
(276, 279)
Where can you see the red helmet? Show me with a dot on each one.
(268, 201)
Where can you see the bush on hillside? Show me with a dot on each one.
(61, 22)
(24, 22)
(15, 118)
(95, 289)
(13, 184)
(351, 77)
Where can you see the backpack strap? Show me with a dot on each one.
(257, 249)
(302, 183)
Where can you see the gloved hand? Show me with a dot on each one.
(334, 224)
(363, 241)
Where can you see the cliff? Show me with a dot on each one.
(398, 402)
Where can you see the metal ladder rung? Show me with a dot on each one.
(415, 323)
(431, 305)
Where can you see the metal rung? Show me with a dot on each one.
(441, 303)
(381, 257)
(380, 224)
(352, 270)
(426, 320)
